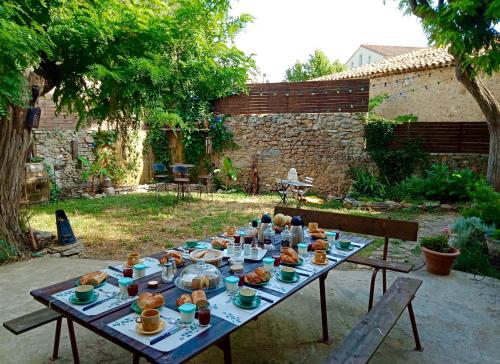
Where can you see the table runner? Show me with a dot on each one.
(126, 325)
(222, 306)
(107, 290)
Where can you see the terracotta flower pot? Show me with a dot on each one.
(440, 263)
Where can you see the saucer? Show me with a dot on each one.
(76, 301)
(318, 263)
(351, 247)
(254, 304)
(138, 310)
(77, 283)
(255, 284)
(301, 260)
(295, 278)
(139, 329)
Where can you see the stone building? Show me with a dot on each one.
(423, 83)
(369, 53)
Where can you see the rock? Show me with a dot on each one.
(86, 196)
(350, 202)
(448, 207)
(110, 191)
(44, 236)
(98, 195)
(379, 205)
(392, 205)
(429, 205)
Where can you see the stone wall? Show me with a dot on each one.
(477, 162)
(322, 146)
(432, 95)
(54, 146)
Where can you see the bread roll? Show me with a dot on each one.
(199, 298)
(93, 278)
(184, 298)
(148, 300)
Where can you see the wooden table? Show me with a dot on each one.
(218, 333)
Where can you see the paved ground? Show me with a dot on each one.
(457, 316)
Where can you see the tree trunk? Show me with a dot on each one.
(14, 143)
(491, 110)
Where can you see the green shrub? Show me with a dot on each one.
(469, 238)
(436, 243)
(7, 251)
(485, 203)
(366, 183)
(495, 235)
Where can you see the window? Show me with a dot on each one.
(369, 59)
(360, 59)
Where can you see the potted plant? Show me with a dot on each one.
(439, 256)
(493, 242)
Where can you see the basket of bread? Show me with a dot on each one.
(289, 256)
(259, 277)
(315, 232)
(96, 279)
(210, 256)
(147, 300)
(199, 276)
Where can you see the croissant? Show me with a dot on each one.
(219, 243)
(289, 255)
(148, 300)
(172, 254)
(320, 245)
(253, 278)
(184, 298)
(93, 278)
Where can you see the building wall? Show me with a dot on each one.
(433, 95)
(367, 55)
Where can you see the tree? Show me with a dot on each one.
(119, 61)
(317, 65)
(467, 28)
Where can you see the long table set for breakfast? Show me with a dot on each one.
(170, 306)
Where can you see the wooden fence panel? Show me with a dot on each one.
(444, 137)
(298, 97)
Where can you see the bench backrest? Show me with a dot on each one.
(387, 228)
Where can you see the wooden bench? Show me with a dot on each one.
(386, 228)
(36, 319)
(362, 343)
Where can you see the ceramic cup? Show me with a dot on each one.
(313, 226)
(320, 256)
(187, 311)
(191, 244)
(287, 273)
(247, 295)
(344, 244)
(133, 259)
(84, 292)
(150, 319)
(247, 249)
(231, 230)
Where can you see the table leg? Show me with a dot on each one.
(324, 318)
(72, 339)
(57, 336)
(225, 345)
(135, 358)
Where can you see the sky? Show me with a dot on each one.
(288, 30)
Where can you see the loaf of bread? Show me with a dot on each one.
(93, 278)
(199, 298)
(184, 298)
(148, 300)
(200, 282)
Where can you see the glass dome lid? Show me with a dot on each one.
(200, 276)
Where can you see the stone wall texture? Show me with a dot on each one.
(419, 93)
(321, 146)
(54, 146)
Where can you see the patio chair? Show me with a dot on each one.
(205, 184)
(282, 191)
(300, 192)
(181, 179)
(159, 174)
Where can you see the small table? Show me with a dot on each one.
(220, 330)
(285, 184)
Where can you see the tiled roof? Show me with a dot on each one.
(389, 51)
(421, 59)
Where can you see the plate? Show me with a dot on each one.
(76, 301)
(301, 260)
(351, 247)
(77, 283)
(139, 329)
(200, 245)
(296, 278)
(138, 310)
(255, 284)
(254, 304)
(317, 263)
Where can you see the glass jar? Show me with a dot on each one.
(139, 270)
(268, 263)
(168, 274)
(123, 284)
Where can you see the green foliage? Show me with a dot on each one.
(467, 27)
(157, 138)
(54, 189)
(105, 138)
(436, 243)
(317, 65)
(94, 169)
(7, 251)
(366, 183)
(485, 203)
(469, 239)
(227, 174)
(495, 234)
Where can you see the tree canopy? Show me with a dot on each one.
(318, 64)
(123, 60)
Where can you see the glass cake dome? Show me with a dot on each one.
(200, 276)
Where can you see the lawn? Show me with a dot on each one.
(113, 226)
